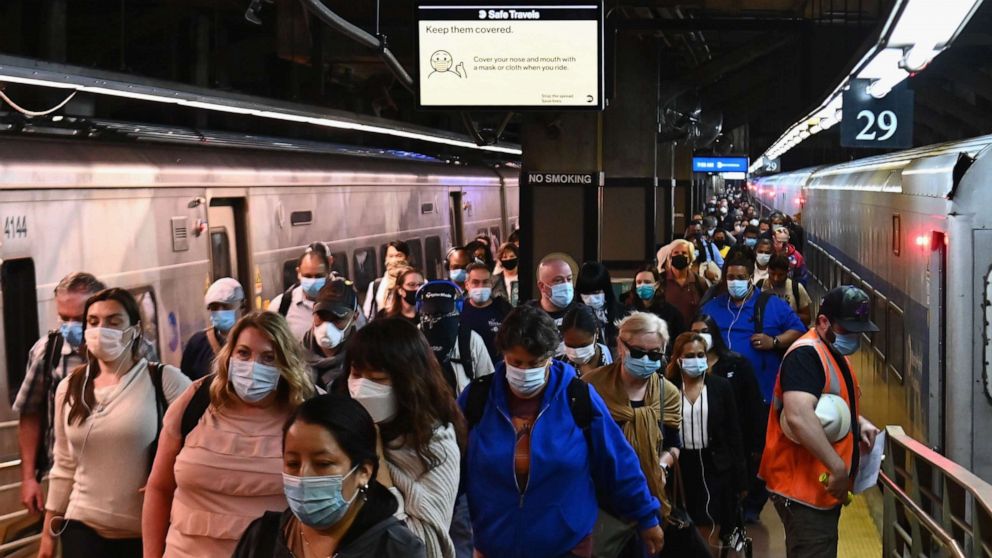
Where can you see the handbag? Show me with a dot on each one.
(611, 535)
(682, 539)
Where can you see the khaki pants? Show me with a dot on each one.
(809, 532)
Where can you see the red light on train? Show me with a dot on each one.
(923, 240)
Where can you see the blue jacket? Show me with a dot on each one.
(558, 508)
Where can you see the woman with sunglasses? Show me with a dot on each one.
(643, 403)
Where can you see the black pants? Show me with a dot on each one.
(809, 532)
(79, 541)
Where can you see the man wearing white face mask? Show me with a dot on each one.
(335, 317)
(225, 300)
(296, 304)
(484, 313)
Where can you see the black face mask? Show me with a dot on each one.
(509, 264)
(442, 335)
(410, 297)
(720, 243)
(680, 262)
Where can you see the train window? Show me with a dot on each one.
(289, 274)
(365, 268)
(220, 253)
(896, 234)
(433, 257)
(416, 255)
(20, 317)
(148, 307)
(300, 218)
(878, 317)
(340, 265)
(895, 341)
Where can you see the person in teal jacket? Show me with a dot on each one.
(532, 473)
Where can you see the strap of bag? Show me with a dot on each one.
(465, 351)
(161, 404)
(53, 352)
(287, 300)
(795, 292)
(194, 410)
(212, 339)
(759, 311)
(475, 403)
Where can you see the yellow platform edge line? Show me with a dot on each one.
(859, 536)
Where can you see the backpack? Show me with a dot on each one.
(161, 404)
(287, 300)
(195, 408)
(579, 402)
(374, 307)
(759, 311)
(53, 347)
(795, 290)
(465, 351)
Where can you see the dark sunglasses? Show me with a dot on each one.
(638, 353)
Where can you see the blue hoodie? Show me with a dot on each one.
(558, 508)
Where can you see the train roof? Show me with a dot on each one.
(155, 156)
(929, 171)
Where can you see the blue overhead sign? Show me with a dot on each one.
(719, 164)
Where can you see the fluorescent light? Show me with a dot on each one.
(39, 82)
(127, 94)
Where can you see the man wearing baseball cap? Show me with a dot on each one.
(225, 300)
(335, 315)
(461, 352)
(816, 365)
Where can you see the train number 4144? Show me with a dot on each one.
(15, 226)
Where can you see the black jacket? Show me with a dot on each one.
(659, 307)
(750, 405)
(375, 533)
(198, 356)
(325, 369)
(725, 441)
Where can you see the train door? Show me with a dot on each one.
(229, 255)
(457, 215)
(937, 296)
(20, 319)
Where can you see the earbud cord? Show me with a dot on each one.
(730, 337)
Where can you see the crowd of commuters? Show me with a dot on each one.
(448, 418)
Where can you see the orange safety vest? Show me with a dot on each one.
(788, 468)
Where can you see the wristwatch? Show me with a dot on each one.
(774, 342)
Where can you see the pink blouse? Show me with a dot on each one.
(228, 473)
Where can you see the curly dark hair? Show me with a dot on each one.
(423, 398)
(531, 328)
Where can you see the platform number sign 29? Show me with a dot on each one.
(881, 123)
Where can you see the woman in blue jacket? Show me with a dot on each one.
(542, 445)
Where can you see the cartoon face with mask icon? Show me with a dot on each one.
(442, 62)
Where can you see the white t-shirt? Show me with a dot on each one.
(299, 315)
(482, 365)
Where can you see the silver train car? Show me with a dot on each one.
(166, 220)
(909, 229)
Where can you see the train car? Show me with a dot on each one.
(165, 220)
(909, 229)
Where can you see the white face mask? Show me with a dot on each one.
(763, 259)
(709, 340)
(252, 381)
(107, 344)
(328, 336)
(580, 355)
(526, 382)
(378, 399)
(597, 300)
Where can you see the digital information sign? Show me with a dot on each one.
(719, 164)
(528, 55)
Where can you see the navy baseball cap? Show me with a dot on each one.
(850, 307)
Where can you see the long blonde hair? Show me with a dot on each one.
(295, 385)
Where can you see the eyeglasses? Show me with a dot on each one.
(640, 353)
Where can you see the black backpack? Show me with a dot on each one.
(53, 350)
(195, 408)
(465, 351)
(579, 401)
(287, 299)
(161, 404)
(759, 310)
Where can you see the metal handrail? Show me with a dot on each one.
(892, 488)
(917, 479)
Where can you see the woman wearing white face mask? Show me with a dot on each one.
(107, 417)
(712, 458)
(596, 290)
(763, 252)
(394, 375)
(579, 332)
(335, 317)
(209, 482)
(528, 457)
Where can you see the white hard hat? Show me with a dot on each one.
(225, 291)
(834, 415)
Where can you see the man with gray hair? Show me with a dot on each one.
(51, 358)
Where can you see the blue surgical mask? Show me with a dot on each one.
(526, 382)
(562, 294)
(694, 367)
(642, 367)
(480, 295)
(458, 275)
(750, 242)
(223, 320)
(645, 292)
(72, 332)
(312, 285)
(738, 287)
(317, 502)
(252, 381)
(847, 343)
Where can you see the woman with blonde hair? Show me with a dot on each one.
(642, 402)
(683, 286)
(219, 460)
